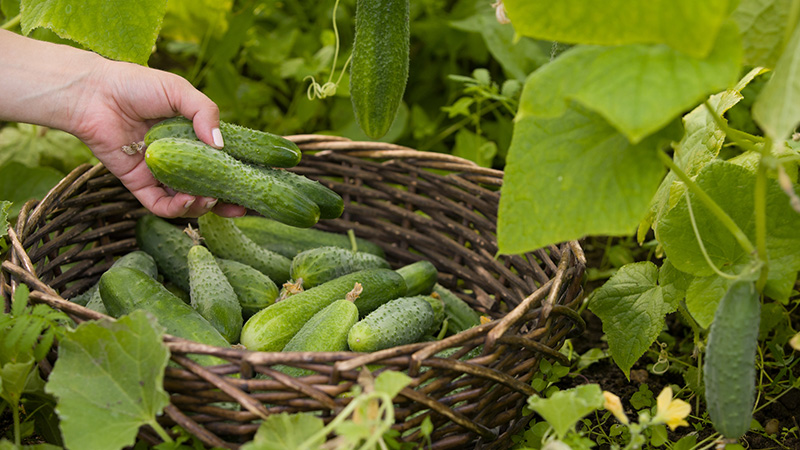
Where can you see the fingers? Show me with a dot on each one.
(195, 105)
(229, 210)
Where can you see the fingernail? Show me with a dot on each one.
(210, 204)
(216, 135)
(188, 204)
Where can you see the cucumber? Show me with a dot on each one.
(124, 290)
(199, 169)
(212, 295)
(401, 321)
(254, 290)
(729, 370)
(321, 264)
(289, 241)
(326, 331)
(135, 260)
(331, 204)
(244, 144)
(227, 241)
(271, 328)
(420, 277)
(168, 245)
(460, 316)
(379, 69)
(437, 305)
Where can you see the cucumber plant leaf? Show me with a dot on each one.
(701, 142)
(123, 362)
(764, 26)
(632, 306)
(194, 20)
(686, 25)
(564, 409)
(731, 186)
(117, 29)
(286, 432)
(636, 88)
(5, 206)
(573, 176)
(20, 183)
(777, 108)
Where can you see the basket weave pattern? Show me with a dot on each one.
(62, 244)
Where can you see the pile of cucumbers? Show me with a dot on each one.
(269, 286)
(247, 171)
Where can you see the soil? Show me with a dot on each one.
(781, 418)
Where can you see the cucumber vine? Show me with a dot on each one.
(328, 89)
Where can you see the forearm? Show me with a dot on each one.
(43, 83)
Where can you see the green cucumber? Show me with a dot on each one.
(244, 144)
(729, 370)
(379, 68)
(326, 331)
(437, 305)
(227, 241)
(289, 241)
(419, 276)
(331, 204)
(124, 290)
(212, 295)
(271, 328)
(135, 260)
(400, 321)
(254, 290)
(460, 316)
(199, 169)
(321, 264)
(169, 247)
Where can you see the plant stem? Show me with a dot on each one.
(741, 138)
(160, 432)
(760, 207)
(15, 415)
(12, 22)
(715, 209)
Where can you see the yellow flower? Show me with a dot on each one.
(671, 411)
(614, 405)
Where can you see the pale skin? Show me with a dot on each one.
(107, 105)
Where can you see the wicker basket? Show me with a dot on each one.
(416, 205)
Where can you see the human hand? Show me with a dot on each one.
(126, 100)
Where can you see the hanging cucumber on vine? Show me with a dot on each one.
(379, 67)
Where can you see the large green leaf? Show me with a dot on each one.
(570, 177)
(686, 25)
(763, 25)
(20, 183)
(777, 108)
(632, 306)
(194, 20)
(118, 29)
(732, 187)
(109, 377)
(701, 142)
(636, 88)
(34, 146)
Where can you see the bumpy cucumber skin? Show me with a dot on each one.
(227, 241)
(419, 276)
(326, 331)
(271, 328)
(212, 295)
(460, 316)
(321, 264)
(254, 290)
(244, 144)
(199, 169)
(135, 260)
(331, 204)
(168, 245)
(125, 290)
(379, 69)
(289, 241)
(729, 370)
(437, 305)
(401, 321)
